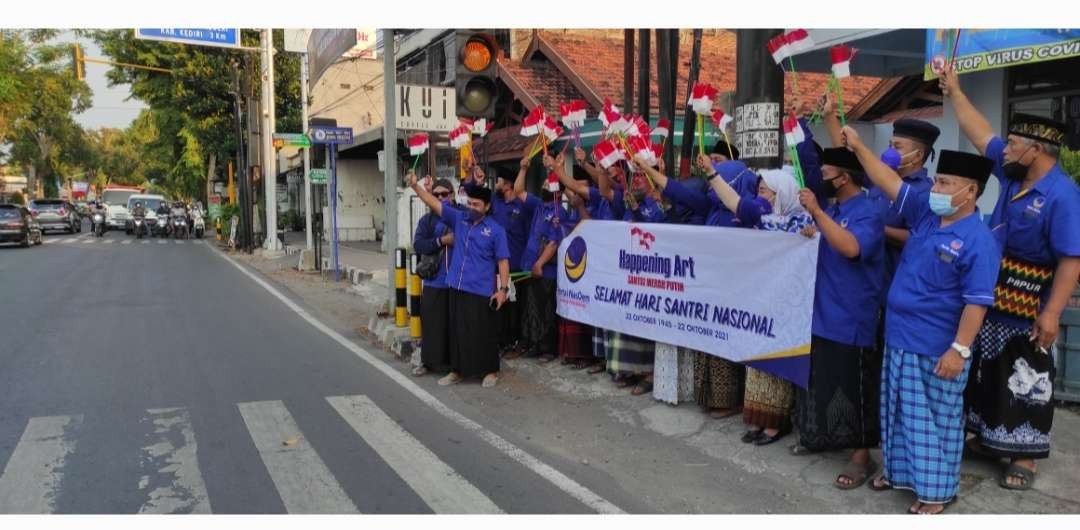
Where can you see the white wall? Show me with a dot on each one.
(360, 200)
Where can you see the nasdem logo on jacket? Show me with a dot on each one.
(575, 259)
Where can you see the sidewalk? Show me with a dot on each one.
(366, 256)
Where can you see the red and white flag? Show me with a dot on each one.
(480, 127)
(638, 127)
(659, 150)
(663, 128)
(609, 114)
(534, 122)
(702, 98)
(798, 41)
(720, 120)
(460, 137)
(552, 183)
(778, 47)
(574, 113)
(793, 133)
(606, 153)
(641, 146)
(552, 129)
(418, 143)
(841, 54)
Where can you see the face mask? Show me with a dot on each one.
(941, 204)
(1015, 170)
(895, 160)
(475, 215)
(830, 189)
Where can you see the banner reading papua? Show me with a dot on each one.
(985, 49)
(743, 295)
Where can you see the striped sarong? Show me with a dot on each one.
(922, 425)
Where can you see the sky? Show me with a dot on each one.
(110, 108)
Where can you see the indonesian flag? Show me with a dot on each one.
(480, 127)
(663, 128)
(658, 149)
(460, 136)
(607, 153)
(798, 41)
(642, 147)
(638, 127)
(552, 129)
(573, 113)
(468, 122)
(552, 183)
(418, 143)
(779, 48)
(609, 114)
(720, 120)
(842, 54)
(534, 122)
(793, 133)
(702, 97)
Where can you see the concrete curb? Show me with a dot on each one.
(393, 338)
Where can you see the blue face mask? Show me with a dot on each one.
(891, 157)
(941, 204)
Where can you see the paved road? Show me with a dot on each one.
(157, 377)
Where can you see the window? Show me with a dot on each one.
(1049, 89)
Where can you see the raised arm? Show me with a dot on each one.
(435, 204)
(883, 176)
(727, 194)
(972, 122)
(832, 120)
(568, 182)
(838, 237)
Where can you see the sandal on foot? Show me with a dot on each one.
(597, 368)
(623, 382)
(883, 485)
(944, 506)
(579, 364)
(419, 371)
(752, 436)
(1020, 472)
(857, 474)
(765, 439)
(546, 358)
(450, 379)
(490, 380)
(643, 387)
(800, 450)
(719, 414)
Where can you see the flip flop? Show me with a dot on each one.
(857, 473)
(884, 486)
(944, 506)
(1018, 471)
(643, 387)
(597, 368)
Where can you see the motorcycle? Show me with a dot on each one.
(97, 224)
(161, 228)
(139, 226)
(200, 225)
(179, 227)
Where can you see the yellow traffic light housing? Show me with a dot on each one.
(78, 61)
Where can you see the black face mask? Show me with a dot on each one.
(830, 189)
(1015, 170)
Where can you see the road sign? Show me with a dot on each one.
(290, 140)
(225, 37)
(318, 176)
(426, 108)
(331, 135)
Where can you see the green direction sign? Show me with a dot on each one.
(291, 140)
(319, 176)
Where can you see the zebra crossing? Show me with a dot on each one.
(172, 481)
(91, 240)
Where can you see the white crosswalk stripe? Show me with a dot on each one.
(173, 456)
(303, 481)
(126, 242)
(49, 241)
(162, 241)
(72, 240)
(179, 241)
(145, 242)
(109, 241)
(442, 488)
(89, 240)
(33, 473)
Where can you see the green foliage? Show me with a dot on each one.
(1070, 162)
(17, 198)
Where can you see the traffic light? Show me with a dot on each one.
(475, 74)
(78, 61)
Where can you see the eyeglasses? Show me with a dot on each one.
(441, 194)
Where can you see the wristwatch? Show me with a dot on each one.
(504, 289)
(964, 351)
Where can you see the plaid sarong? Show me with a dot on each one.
(922, 425)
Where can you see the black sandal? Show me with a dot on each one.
(750, 437)
(644, 387)
(766, 439)
(1017, 471)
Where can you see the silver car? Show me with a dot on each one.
(56, 214)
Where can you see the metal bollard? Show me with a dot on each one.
(400, 299)
(414, 297)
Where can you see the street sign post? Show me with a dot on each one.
(223, 37)
(331, 137)
(291, 140)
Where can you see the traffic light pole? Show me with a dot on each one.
(390, 178)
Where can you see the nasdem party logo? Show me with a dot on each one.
(574, 261)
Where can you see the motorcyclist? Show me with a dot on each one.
(138, 212)
(178, 212)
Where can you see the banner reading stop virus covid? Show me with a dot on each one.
(743, 295)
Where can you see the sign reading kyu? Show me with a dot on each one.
(426, 108)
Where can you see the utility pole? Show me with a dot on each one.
(390, 155)
(759, 96)
(307, 150)
(686, 150)
(266, 134)
(628, 71)
(644, 90)
(240, 162)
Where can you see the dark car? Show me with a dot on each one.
(56, 214)
(17, 225)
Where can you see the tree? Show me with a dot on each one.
(41, 131)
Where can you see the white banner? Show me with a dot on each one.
(744, 295)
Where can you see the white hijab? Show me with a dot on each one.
(786, 188)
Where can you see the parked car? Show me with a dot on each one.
(18, 225)
(56, 214)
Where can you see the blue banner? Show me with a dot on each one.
(227, 37)
(985, 49)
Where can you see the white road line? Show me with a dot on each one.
(303, 481)
(32, 477)
(126, 242)
(176, 479)
(442, 488)
(162, 242)
(179, 241)
(568, 485)
(109, 241)
(196, 242)
(145, 242)
(72, 240)
(89, 240)
(49, 241)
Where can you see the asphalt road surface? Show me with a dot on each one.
(156, 376)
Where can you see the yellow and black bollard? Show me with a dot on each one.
(400, 300)
(414, 297)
